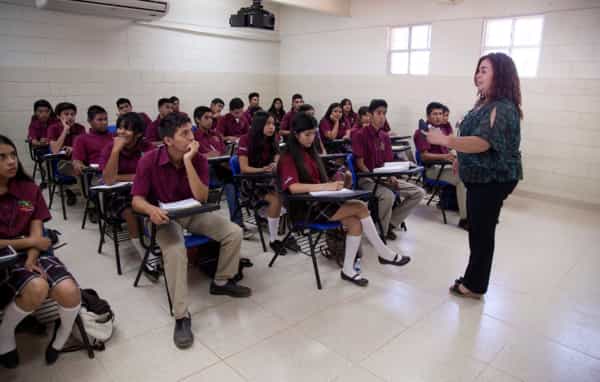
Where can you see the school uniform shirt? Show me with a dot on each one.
(38, 129)
(374, 146)
(286, 122)
(147, 120)
(243, 148)
(88, 147)
(215, 122)
(128, 158)
(19, 206)
(157, 179)
(288, 172)
(325, 126)
(348, 121)
(248, 116)
(209, 141)
(56, 129)
(152, 133)
(422, 145)
(357, 127)
(229, 126)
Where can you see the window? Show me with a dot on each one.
(519, 37)
(410, 48)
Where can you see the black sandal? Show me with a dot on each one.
(455, 290)
(403, 260)
(356, 279)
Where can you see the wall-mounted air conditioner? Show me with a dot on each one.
(128, 9)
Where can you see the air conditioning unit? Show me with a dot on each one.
(147, 10)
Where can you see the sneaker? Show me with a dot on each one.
(182, 335)
(71, 197)
(278, 247)
(151, 272)
(230, 289)
(10, 360)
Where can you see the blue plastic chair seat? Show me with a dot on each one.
(192, 241)
(320, 227)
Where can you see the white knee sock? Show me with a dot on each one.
(12, 316)
(67, 318)
(352, 245)
(371, 233)
(273, 228)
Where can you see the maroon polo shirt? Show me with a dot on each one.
(355, 128)
(348, 121)
(39, 129)
(147, 120)
(215, 122)
(56, 129)
(157, 179)
(228, 126)
(266, 157)
(152, 134)
(88, 147)
(422, 145)
(325, 126)
(209, 141)
(286, 122)
(128, 158)
(248, 116)
(19, 206)
(374, 146)
(288, 173)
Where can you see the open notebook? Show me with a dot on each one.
(107, 187)
(180, 205)
(343, 191)
(393, 166)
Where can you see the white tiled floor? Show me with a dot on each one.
(539, 322)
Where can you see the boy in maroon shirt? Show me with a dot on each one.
(429, 152)
(164, 108)
(62, 133)
(286, 122)
(233, 125)
(40, 121)
(216, 106)
(173, 172)
(364, 120)
(253, 106)
(372, 147)
(124, 106)
(89, 146)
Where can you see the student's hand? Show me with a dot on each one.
(334, 186)
(78, 167)
(393, 181)
(436, 137)
(192, 150)
(450, 157)
(41, 243)
(118, 144)
(158, 216)
(68, 150)
(31, 263)
(269, 167)
(66, 125)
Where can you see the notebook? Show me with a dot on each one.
(180, 205)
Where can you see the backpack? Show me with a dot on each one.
(97, 317)
(335, 247)
(207, 259)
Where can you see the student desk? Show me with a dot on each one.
(379, 178)
(218, 160)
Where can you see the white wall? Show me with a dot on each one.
(327, 58)
(90, 60)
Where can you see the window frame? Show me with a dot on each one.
(409, 50)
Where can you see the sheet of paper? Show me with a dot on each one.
(180, 205)
(401, 165)
(107, 187)
(343, 191)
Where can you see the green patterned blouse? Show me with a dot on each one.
(502, 162)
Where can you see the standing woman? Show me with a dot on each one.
(489, 162)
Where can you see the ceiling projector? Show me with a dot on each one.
(253, 17)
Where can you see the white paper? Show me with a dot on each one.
(180, 205)
(403, 164)
(107, 187)
(343, 191)
(395, 167)
(94, 165)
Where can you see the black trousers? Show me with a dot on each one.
(484, 202)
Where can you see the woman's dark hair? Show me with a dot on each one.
(21, 174)
(132, 121)
(258, 140)
(303, 122)
(277, 113)
(344, 102)
(327, 115)
(43, 103)
(505, 84)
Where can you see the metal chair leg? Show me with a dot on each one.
(314, 259)
(85, 213)
(117, 255)
(260, 232)
(84, 337)
(62, 200)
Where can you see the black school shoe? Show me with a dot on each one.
(398, 260)
(10, 360)
(278, 247)
(71, 197)
(51, 353)
(182, 335)
(231, 289)
(357, 279)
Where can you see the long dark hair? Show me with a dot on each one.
(278, 114)
(327, 115)
(304, 122)
(506, 83)
(345, 101)
(21, 174)
(258, 140)
(43, 103)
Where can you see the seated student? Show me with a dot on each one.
(124, 106)
(286, 122)
(349, 117)
(258, 152)
(277, 111)
(446, 116)
(89, 146)
(164, 108)
(216, 106)
(233, 125)
(364, 120)
(372, 148)
(173, 172)
(301, 171)
(118, 162)
(42, 118)
(431, 152)
(253, 106)
(175, 104)
(37, 273)
(331, 127)
(310, 110)
(212, 145)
